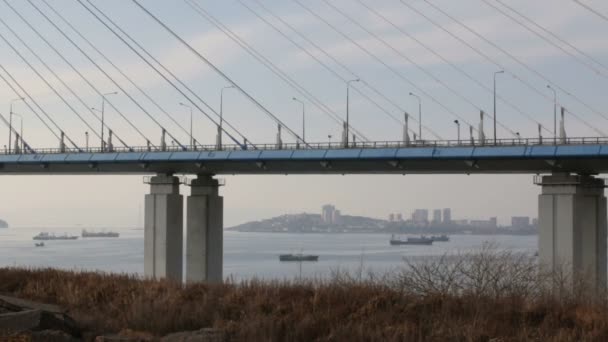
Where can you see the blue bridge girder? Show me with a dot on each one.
(575, 155)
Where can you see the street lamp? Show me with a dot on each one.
(86, 136)
(554, 112)
(518, 137)
(348, 109)
(20, 140)
(103, 104)
(419, 115)
(329, 141)
(220, 128)
(303, 119)
(458, 129)
(191, 136)
(10, 121)
(495, 74)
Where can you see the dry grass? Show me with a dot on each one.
(485, 296)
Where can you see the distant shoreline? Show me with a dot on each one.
(384, 233)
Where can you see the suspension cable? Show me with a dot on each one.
(453, 65)
(219, 72)
(3, 38)
(84, 104)
(91, 45)
(37, 106)
(561, 48)
(158, 71)
(517, 60)
(497, 64)
(417, 65)
(379, 60)
(107, 75)
(269, 65)
(337, 62)
(14, 130)
(46, 41)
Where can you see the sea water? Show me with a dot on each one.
(246, 255)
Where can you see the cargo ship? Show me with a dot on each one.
(87, 234)
(440, 238)
(298, 257)
(423, 240)
(50, 237)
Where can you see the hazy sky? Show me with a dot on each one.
(114, 201)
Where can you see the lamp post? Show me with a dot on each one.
(348, 109)
(303, 119)
(19, 142)
(495, 74)
(103, 105)
(191, 125)
(86, 137)
(10, 121)
(419, 115)
(458, 129)
(220, 128)
(554, 113)
(329, 141)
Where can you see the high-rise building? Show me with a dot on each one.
(437, 216)
(520, 222)
(399, 218)
(420, 216)
(337, 218)
(447, 215)
(327, 213)
(391, 218)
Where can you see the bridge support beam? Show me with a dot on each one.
(572, 232)
(205, 231)
(163, 229)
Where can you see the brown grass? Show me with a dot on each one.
(496, 296)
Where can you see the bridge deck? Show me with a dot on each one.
(581, 156)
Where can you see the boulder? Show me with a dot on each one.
(21, 316)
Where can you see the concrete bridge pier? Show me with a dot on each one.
(572, 227)
(163, 229)
(205, 231)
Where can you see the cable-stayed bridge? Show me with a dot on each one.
(572, 207)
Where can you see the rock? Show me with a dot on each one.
(17, 304)
(37, 320)
(203, 335)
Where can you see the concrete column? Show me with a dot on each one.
(163, 249)
(572, 227)
(205, 231)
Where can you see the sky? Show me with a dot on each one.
(388, 60)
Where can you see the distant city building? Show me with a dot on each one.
(491, 223)
(437, 216)
(535, 222)
(391, 218)
(447, 215)
(420, 216)
(399, 218)
(520, 222)
(337, 218)
(327, 213)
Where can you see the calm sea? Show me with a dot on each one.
(246, 255)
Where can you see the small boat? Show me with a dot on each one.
(89, 234)
(423, 240)
(52, 237)
(298, 257)
(39, 244)
(440, 238)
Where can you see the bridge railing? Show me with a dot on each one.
(330, 145)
